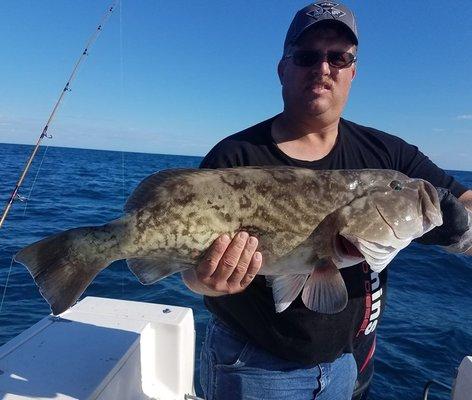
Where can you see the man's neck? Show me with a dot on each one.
(304, 139)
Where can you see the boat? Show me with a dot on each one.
(103, 349)
(108, 349)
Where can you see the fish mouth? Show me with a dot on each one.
(377, 255)
(346, 247)
(431, 206)
(347, 253)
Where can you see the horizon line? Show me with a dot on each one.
(142, 152)
(94, 149)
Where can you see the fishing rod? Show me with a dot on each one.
(66, 89)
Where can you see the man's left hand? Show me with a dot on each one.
(455, 221)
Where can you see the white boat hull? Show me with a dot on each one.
(103, 349)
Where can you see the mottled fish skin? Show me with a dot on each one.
(281, 205)
(173, 216)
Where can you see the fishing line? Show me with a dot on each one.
(44, 133)
(34, 180)
(24, 213)
(123, 268)
(121, 50)
(6, 284)
(122, 76)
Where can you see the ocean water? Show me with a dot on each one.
(425, 333)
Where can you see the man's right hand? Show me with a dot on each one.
(228, 267)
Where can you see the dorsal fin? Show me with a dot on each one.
(147, 189)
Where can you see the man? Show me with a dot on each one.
(250, 351)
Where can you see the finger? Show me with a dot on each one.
(230, 258)
(253, 269)
(244, 261)
(207, 267)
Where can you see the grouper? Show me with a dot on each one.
(309, 225)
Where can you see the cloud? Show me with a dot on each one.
(464, 116)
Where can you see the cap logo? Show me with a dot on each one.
(326, 7)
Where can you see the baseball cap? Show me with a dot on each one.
(317, 12)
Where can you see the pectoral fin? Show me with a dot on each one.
(285, 289)
(325, 290)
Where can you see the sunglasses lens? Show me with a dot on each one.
(308, 58)
(340, 59)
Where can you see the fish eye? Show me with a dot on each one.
(396, 185)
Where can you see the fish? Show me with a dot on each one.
(310, 224)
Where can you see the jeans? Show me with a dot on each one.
(234, 369)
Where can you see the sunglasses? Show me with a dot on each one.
(308, 58)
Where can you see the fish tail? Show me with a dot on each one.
(63, 265)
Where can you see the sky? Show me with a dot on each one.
(177, 76)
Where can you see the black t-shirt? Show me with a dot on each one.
(299, 334)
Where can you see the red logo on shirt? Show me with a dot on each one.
(373, 301)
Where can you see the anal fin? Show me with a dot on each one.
(150, 270)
